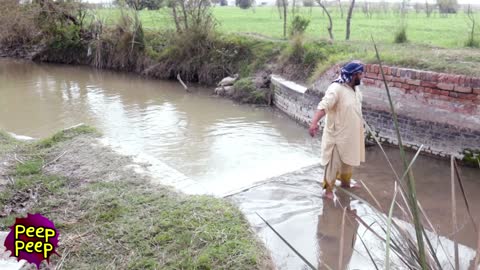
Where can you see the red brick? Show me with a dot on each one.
(406, 86)
(386, 70)
(413, 82)
(398, 79)
(454, 79)
(447, 98)
(376, 69)
(440, 92)
(420, 89)
(428, 84)
(468, 81)
(467, 96)
(393, 71)
(445, 86)
(427, 90)
(462, 89)
(434, 77)
(370, 75)
(367, 68)
(453, 94)
(443, 78)
(397, 84)
(476, 82)
(368, 81)
(476, 91)
(412, 74)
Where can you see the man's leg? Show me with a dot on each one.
(345, 175)
(331, 170)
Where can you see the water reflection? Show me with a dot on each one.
(336, 245)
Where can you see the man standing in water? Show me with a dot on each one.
(343, 143)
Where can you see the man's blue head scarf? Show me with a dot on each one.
(348, 71)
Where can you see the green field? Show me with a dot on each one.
(437, 31)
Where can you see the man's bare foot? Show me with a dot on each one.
(352, 185)
(328, 195)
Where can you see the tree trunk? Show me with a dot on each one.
(175, 17)
(330, 25)
(284, 18)
(341, 8)
(185, 16)
(279, 9)
(349, 17)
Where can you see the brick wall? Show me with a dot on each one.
(444, 121)
(432, 84)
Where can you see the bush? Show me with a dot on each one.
(472, 43)
(299, 25)
(401, 35)
(18, 25)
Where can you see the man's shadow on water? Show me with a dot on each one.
(329, 233)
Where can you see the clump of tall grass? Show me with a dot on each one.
(401, 35)
(298, 25)
(121, 47)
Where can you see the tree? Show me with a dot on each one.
(223, 3)
(341, 8)
(245, 4)
(349, 18)
(428, 9)
(192, 14)
(447, 6)
(284, 5)
(330, 25)
(471, 42)
(141, 4)
(307, 3)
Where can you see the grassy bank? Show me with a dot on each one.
(439, 31)
(125, 223)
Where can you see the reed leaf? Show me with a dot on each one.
(411, 180)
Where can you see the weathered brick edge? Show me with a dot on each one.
(435, 85)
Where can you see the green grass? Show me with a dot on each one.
(129, 224)
(435, 43)
(446, 32)
(65, 135)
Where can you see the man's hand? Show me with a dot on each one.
(313, 130)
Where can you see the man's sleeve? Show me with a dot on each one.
(329, 100)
